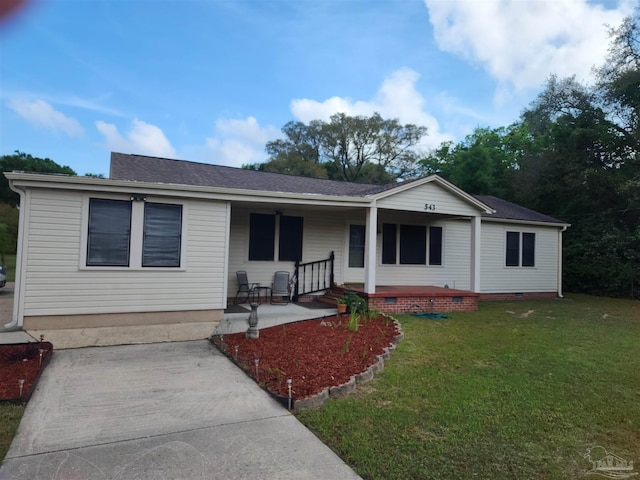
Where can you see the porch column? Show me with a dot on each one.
(475, 254)
(370, 244)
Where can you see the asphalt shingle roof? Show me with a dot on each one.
(511, 211)
(141, 168)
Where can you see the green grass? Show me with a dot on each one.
(10, 267)
(497, 395)
(10, 415)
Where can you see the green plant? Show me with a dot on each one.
(356, 303)
(345, 347)
(341, 301)
(354, 319)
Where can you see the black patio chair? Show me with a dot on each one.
(244, 287)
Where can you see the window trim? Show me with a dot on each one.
(276, 237)
(520, 251)
(136, 234)
(397, 242)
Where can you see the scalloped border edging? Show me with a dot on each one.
(343, 390)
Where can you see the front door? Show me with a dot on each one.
(354, 271)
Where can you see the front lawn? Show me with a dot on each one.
(10, 416)
(515, 390)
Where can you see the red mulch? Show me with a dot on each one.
(21, 362)
(314, 354)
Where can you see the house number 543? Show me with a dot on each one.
(430, 207)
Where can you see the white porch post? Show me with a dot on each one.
(475, 254)
(370, 245)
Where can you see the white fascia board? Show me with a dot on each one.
(443, 183)
(67, 182)
(527, 222)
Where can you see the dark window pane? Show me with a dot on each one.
(356, 246)
(528, 249)
(290, 246)
(513, 249)
(262, 231)
(435, 245)
(109, 233)
(162, 235)
(413, 245)
(389, 243)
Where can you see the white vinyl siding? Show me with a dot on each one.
(456, 255)
(496, 277)
(323, 232)
(428, 198)
(55, 283)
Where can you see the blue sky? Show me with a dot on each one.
(212, 80)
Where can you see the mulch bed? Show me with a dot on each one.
(314, 354)
(22, 361)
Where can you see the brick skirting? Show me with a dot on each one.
(426, 304)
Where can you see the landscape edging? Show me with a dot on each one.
(317, 400)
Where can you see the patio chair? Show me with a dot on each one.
(280, 287)
(244, 287)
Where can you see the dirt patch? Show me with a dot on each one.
(22, 361)
(314, 354)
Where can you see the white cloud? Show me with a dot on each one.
(397, 97)
(520, 43)
(142, 138)
(41, 113)
(236, 142)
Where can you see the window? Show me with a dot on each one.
(262, 231)
(162, 235)
(262, 237)
(356, 246)
(412, 244)
(109, 233)
(435, 245)
(290, 247)
(389, 244)
(122, 233)
(520, 249)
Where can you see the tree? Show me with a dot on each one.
(485, 162)
(355, 149)
(21, 161)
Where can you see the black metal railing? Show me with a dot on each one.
(313, 276)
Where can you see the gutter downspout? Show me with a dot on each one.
(18, 297)
(560, 295)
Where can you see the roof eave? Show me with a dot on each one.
(68, 182)
(443, 183)
(526, 222)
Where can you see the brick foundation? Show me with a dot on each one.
(427, 304)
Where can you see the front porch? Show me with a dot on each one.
(413, 298)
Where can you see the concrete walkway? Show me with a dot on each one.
(168, 410)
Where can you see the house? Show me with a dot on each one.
(160, 241)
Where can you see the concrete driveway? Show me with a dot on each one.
(158, 411)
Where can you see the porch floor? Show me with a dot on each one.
(409, 291)
(414, 298)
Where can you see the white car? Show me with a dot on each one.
(3, 276)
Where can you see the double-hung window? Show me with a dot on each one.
(263, 238)
(133, 234)
(411, 244)
(520, 249)
(109, 233)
